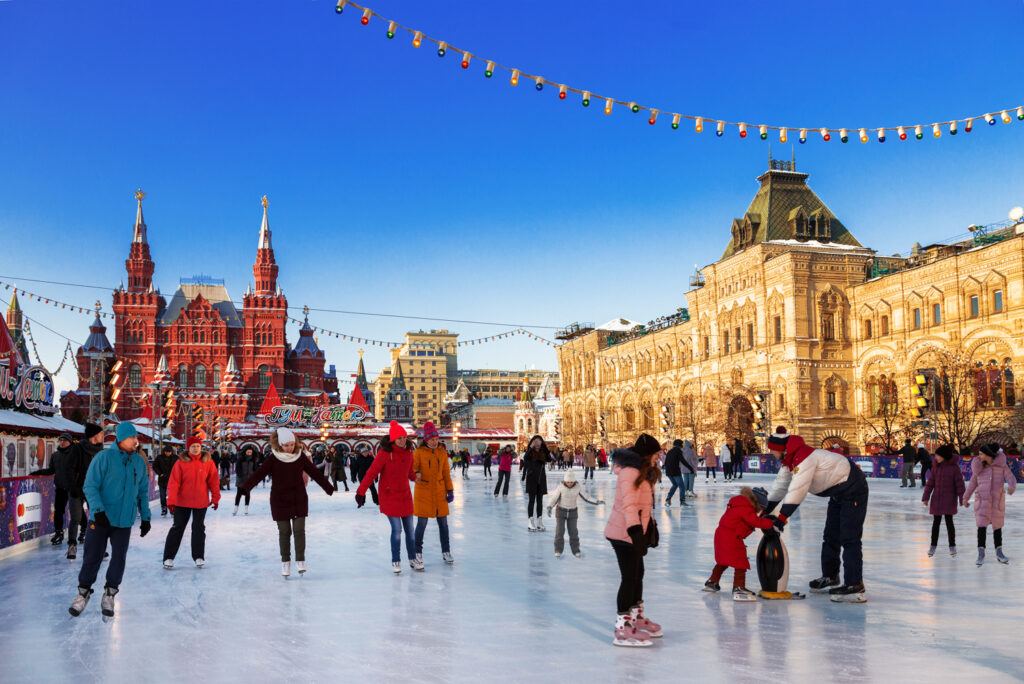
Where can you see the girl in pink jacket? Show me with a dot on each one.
(627, 529)
(988, 474)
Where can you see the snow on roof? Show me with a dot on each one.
(28, 421)
(814, 244)
(618, 325)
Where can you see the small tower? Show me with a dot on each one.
(15, 323)
(526, 419)
(139, 265)
(364, 387)
(265, 268)
(398, 402)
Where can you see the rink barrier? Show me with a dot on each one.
(26, 511)
(881, 467)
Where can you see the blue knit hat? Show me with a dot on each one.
(126, 430)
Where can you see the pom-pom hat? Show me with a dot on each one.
(777, 441)
(396, 431)
(429, 430)
(569, 477)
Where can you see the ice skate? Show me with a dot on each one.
(533, 526)
(931, 551)
(168, 563)
(396, 567)
(577, 554)
(107, 602)
(417, 564)
(80, 602)
(200, 562)
(743, 594)
(641, 622)
(1001, 557)
(540, 524)
(163, 512)
(952, 551)
(447, 556)
(301, 567)
(81, 535)
(558, 554)
(712, 586)
(626, 633)
(246, 512)
(72, 551)
(286, 568)
(848, 594)
(235, 512)
(668, 503)
(58, 538)
(822, 584)
(981, 557)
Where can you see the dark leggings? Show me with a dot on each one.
(239, 494)
(710, 470)
(631, 571)
(997, 537)
(535, 502)
(950, 530)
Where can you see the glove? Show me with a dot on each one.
(214, 505)
(171, 509)
(330, 492)
(360, 500)
(450, 496)
(145, 528)
(779, 523)
(100, 519)
(636, 534)
(549, 512)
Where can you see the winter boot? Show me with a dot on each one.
(821, 585)
(981, 556)
(286, 568)
(743, 594)
(58, 538)
(447, 556)
(396, 568)
(107, 602)
(626, 633)
(931, 551)
(80, 602)
(200, 562)
(168, 563)
(653, 629)
(301, 567)
(712, 586)
(533, 525)
(246, 509)
(72, 551)
(235, 512)
(417, 564)
(952, 551)
(1001, 557)
(848, 594)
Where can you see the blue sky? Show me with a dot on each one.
(400, 183)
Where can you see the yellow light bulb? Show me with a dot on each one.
(515, 77)
(699, 126)
(417, 39)
(608, 106)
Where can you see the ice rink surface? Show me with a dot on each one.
(508, 610)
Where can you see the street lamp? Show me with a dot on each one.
(455, 436)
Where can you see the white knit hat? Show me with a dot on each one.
(569, 476)
(285, 436)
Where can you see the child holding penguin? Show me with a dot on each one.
(741, 518)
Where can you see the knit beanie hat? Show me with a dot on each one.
(126, 430)
(645, 445)
(677, 443)
(92, 429)
(65, 436)
(569, 477)
(991, 450)
(762, 496)
(946, 452)
(395, 431)
(777, 441)
(193, 440)
(285, 436)
(429, 431)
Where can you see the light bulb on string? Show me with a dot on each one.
(763, 132)
(465, 60)
(608, 106)
(699, 125)
(675, 121)
(917, 132)
(1020, 113)
(952, 127)
(586, 98)
(843, 135)
(489, 71)
(1006, 117)
(936, 133)
(340, 7)
(515, 77)
(417, 39)
(442, 48)
(803, 136)
(863, 135)
(654, 117)
(720, 129)
(366, 17)
(782, 135)
(391, 30)
(881, 135)
(989, 120)
(902, 133)
(825, 135)
(561, 92)
(539, 81)
(743, 130)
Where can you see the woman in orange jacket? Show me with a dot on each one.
(193, 482)
(433, 492)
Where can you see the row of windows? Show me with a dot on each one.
(917, 315)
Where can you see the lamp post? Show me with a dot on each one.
(455, 436)
(158, 421)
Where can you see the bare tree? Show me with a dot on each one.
(887, 418)
(703, 417)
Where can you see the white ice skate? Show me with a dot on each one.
(743, 594)
(533, 525)
(80, 602)
(168, 564)
(952, 551)
(981, 557)
(235, 512)
(540, 524)
(558, 554)
(301, 567)
(200, 562)
(417, 564)
(286, 568)
(396, 568)
(1001, 557)
(447, 556)
(107, 602)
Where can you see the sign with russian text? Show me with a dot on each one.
(339, 414)
(30, 387)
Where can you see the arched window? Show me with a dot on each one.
(216, 374)
(182, 375)
(135, 376)
(264, 375)
(200, 375)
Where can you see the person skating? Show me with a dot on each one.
(82, 453)
(465, 464)
(945, 488)
(627, 530)
(244, 468)
(805, 470)
(742, 516)
(394, 465)
(924, 459)
(192, 488)
(61, 469)
(725, 459)
(710, 462)
(535, 476)
(353, 466)
(909, 454)
(338, 468)
(432, 493)
(505, 459)
(289, 503)
(738, 456)
(365, 461)
(674, 465)
(117, 489)
(690, 465)
(589, 462)
(565, 503)
(486, 458)
(989, 473)
(162, 466)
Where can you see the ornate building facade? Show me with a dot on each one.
(214, 355)
(798, 320)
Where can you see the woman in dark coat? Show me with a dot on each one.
(289, 504)
(534, 460)
(244, 469)
(945, 487)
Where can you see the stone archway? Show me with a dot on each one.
(740, 420)
(832, 441)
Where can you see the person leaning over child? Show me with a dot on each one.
(566, 497)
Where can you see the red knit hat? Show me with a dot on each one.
(396, 431)
(193, 440)
(429, 430)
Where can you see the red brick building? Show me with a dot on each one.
(212, 353)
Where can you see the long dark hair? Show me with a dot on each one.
(649, 470)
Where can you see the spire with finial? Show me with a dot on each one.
(139, 265)
(397, 377)
(265, 268)
(265, 228)
(14, 325)
(140, 225)
(163, 372)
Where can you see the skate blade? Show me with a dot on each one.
(849, 598)
(636, 643)
(744, 599)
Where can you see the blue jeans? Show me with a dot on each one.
(677, 483)
(688, 482)
(588, 472)
(442, 527)
(396, 538)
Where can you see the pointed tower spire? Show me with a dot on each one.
(231, 382)
(15, 324)
(264, 228)
(139, 265)
(163, 372)
(14, 305)
(139, 235)
(265, 268)
(361, 372)
(397, 378)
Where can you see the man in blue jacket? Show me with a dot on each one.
(117, 489)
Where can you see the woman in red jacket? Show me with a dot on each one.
(193, 482)
(741, 518)
(394, 465)
(289, 504)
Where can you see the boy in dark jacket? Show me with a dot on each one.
(81, 456)
(162, 465)
(60, 468)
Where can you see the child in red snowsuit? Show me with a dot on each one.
(739, 521)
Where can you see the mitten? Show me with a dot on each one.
(360, 500)
(171, 509)
(450, 496)
(100, 519)
(636, 534)
(214, 505)
(549, 512)
(144, 528)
